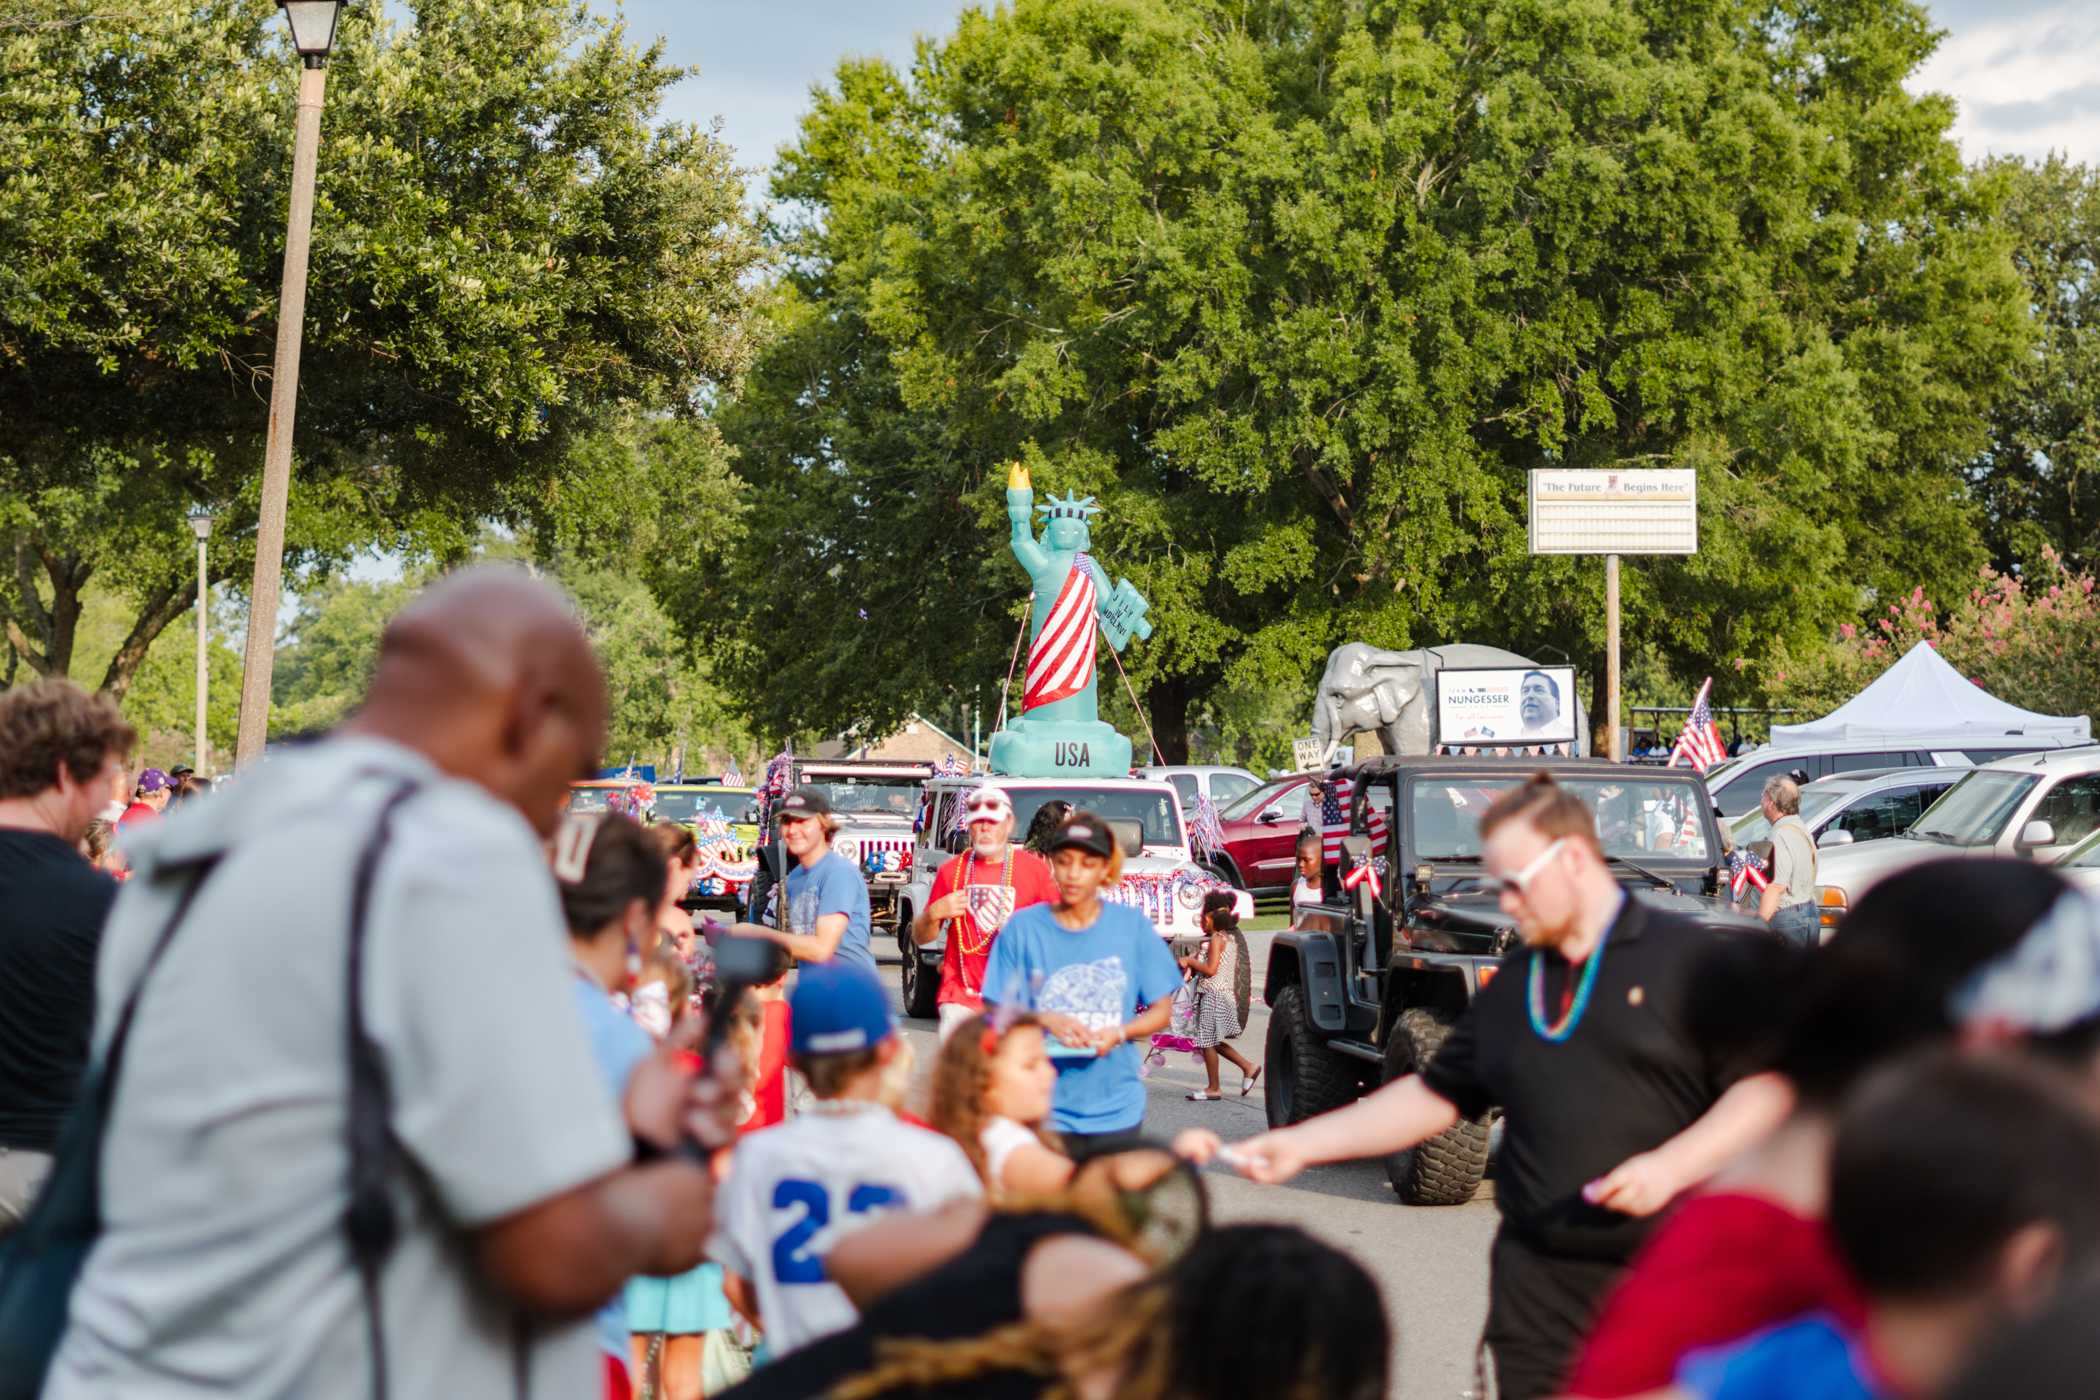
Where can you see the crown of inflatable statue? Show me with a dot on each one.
(1068, 507)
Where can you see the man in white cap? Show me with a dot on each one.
(973, 896)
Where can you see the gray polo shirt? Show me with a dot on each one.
(1793, 860)
(223, 1269)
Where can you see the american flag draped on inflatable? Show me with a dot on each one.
(1061, 658)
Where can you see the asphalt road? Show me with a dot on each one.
(1431, 1263)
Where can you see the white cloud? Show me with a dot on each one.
(2026, 82)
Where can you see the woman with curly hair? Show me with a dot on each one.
(991, 1093)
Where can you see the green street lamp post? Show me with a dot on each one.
(313, 25)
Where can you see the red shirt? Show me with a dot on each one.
(136, 812)
(771, 1089)
(970, 933)
(1721, 1267)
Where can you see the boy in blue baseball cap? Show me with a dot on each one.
(796, 1189)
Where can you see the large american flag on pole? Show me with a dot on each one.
(1334, 820)
(1700, 744)
(1061, 658)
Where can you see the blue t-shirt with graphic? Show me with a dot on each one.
(618, 1045)
(832, 886)
(1099, 976)
(1811, 1358)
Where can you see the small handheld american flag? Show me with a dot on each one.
(1700, 744)
(1744, 869)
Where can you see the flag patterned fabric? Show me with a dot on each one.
(1700, 744)
(1744, 869)
(1061, 658)
(1334, 820)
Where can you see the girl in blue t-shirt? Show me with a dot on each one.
(1085, 966)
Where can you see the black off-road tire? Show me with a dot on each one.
(1445, 1170)
(1242, 978)
(1303, 1077)
(921, 985)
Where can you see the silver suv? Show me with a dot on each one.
(2037, 806)
(1857, 806)
(1737, 783)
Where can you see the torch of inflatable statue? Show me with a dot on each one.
(1059, 732)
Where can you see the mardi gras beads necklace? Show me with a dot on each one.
(1006, 881)
(1565, 1027)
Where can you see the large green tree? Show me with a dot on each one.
(1302, 288)
(2039, 481)
(508, 247)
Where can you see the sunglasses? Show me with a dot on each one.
(1520, 880)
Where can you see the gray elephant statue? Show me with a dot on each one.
(1392, 694)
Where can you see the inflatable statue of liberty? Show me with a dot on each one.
(1059, 732)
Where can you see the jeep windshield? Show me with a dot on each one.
(723, 804)
(870, 797)
(1158, 814)
(1638, 819)
(1974, 811)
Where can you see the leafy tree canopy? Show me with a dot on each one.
(508, 246)
(1302, 288)
(2039, 480)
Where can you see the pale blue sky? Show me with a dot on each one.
(2022, 70)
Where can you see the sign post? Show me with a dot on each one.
(1593, 511)
(1612, 747)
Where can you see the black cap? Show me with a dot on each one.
(181, 770)
(1086, 832)
(803, 802)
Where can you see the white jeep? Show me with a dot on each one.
(1160, 877)
(875, 803)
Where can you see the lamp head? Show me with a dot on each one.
(200, 523)
(313, 27)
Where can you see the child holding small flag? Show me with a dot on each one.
(1217, 1016)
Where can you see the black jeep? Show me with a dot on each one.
(1365, 989)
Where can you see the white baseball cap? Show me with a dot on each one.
(988, 804)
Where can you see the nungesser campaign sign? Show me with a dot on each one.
(1507, 707)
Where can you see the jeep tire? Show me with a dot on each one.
(1304, 1076)
(1444, 1170)
(922, 985)
(1242, 978)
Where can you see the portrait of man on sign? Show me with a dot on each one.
(1538, 704)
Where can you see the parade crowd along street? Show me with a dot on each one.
(404, 1066)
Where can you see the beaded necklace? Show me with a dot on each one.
(1565, 1027)
(1006, 880)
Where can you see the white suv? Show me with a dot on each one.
(2037, 806)
(1160, 877)
(1221, 783)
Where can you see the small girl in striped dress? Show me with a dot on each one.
(1217, 1007)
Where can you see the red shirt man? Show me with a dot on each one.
(973, 896)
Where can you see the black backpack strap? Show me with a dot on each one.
(370, 1220)
(113, 1058)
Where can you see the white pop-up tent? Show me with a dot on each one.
(1922, 696)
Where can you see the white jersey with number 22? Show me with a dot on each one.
(796, 1189)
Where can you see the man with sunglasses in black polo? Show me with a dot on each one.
(1581, 1039)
